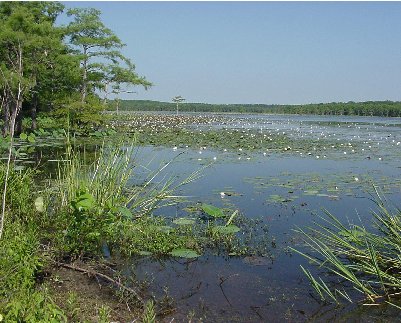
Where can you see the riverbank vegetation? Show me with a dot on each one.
(92, 213)
(368, 108)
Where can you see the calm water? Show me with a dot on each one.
(285, 191)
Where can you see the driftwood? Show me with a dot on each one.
(94, 273)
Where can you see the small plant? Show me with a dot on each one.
(149, 313)
(104, 314)
(72, 305)
(368, 260)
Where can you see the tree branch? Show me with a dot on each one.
(92, 272)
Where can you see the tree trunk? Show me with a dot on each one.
(34, 111)
(84, 89)
(6, 114)
(117, 105)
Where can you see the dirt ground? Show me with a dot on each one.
(87, 298)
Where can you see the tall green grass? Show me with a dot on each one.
(96, 203)
(21, 255)
(368, 260)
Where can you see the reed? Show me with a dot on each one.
(368, 260)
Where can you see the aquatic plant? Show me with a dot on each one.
(368, 260)
(97, 202)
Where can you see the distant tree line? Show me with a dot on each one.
(368, 108)
(67, 70)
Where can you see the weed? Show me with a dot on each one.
(149, 314)
(368, 260)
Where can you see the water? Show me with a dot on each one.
(286, 191)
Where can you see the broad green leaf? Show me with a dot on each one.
(83, 202)
(125, 212)
(23, 136)
(212, 211)
(31, 138)
(184, 221)
(184, 253)
(229, 229)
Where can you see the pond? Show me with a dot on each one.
(283, 190)
(284, 172)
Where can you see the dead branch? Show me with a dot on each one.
(92, 272)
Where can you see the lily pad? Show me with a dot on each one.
(213, 211)
(229, 229)
(184, 253)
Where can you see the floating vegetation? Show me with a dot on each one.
(265, 134)
(331, 186)
(184, 253)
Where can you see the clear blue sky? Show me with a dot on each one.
(261, 52)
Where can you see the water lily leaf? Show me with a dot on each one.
(184, 221)
(184, 253)
(229, 229)
(212, 211)
(39, 204)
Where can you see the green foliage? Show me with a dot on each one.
(20, 299)
(226, 229)
(99, 50)
(377, 108)
(212, 211)
(59, 69)
(184, 253)
(28, 42)
(151, 235)
(19, 196)
(149, 313)
(79, 114)
(104, 314)
(368, 260)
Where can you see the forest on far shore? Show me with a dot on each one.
(368, 108)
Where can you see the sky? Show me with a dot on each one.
(260, 52)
